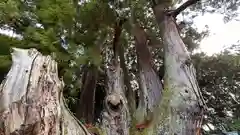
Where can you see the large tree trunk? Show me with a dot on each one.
(31, 100)
(130, 94)
(150, 84)
(115, 115)
(180, 79)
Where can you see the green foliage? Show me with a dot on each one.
(9, 10)
(58, 13)
(6, 62)
(6, 43)
(5, 57)
(218, 79)
(235, 125)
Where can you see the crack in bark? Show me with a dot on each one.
(28, 85)
(45, 108)
(197, 93)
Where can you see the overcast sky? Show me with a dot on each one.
(221, 35)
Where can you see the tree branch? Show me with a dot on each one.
(117, 33)
(181, 8)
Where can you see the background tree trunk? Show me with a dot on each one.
(31, 100)
(85, 106)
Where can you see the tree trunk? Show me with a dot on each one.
(115, 115)
(150, 84)
(115, 119)
(85, 106)
(31, 100)
(130, 94)
(180, 79)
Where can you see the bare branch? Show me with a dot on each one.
(181, 8)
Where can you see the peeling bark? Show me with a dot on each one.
(180, 78)
(85, 106)
(31, 100)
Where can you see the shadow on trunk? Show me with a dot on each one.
(150, 84)
(86, 105)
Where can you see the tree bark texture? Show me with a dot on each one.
(115, 115)
(186, 101)
(31, 100)
(150, 84)
(85, 106)
(115, 118)
(130, 94)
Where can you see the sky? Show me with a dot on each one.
(221, 34)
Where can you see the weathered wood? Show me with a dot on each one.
(31, 100)
(115, 115)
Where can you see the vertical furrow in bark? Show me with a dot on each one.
(150, 85)
(85, 106)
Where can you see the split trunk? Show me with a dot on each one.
(31, 100)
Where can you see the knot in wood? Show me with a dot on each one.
(114, 99)
(114, 103)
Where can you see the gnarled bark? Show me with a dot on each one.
(115, 115)
(31, 100)
(115, 119)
